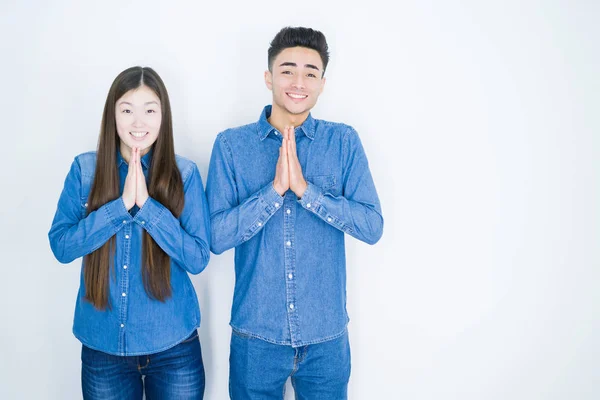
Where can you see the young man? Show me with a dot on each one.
(283, 191)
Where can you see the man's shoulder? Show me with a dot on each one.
(239, 132)
(334, 128)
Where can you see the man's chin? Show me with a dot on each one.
(297, 110)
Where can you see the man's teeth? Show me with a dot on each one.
(297, 96)
(138, 134)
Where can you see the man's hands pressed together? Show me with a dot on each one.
(288, 172)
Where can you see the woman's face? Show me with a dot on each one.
(138, 115)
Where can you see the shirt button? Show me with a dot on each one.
(126, 236)
(288, 211)
(290, 276)
(123, 294)
(259, 224)
(124, 221)
(291, 306)
(124, 266)
(276, 205)
(85, 205)
(308, 205)
(288, 243)
(329, 219)
(122, 325)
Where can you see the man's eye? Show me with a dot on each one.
(287, 72)
(311, 75)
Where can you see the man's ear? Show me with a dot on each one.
(269, 79)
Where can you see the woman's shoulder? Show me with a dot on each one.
(185, 165)
(86, 162)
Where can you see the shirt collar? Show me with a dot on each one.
(264, 127)
(146, 159)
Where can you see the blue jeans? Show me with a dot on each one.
(176, 373)
(258, 369)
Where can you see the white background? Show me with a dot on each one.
(481, 125)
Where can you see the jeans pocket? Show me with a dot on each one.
(240, 334)
(191, 338)
(97, 359)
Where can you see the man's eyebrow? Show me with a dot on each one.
(293, 64)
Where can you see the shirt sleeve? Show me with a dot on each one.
(74, 234)
(357, 211)
(234, 221)
(185, 239)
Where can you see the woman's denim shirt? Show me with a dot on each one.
(134, 324)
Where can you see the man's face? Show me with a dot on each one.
(296, 80)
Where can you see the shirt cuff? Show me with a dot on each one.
(117, 214)
(273, 201)
(311, 198)
(150, 213)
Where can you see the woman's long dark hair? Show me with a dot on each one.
(165, 186)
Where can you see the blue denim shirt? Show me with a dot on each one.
(290, 260)
(135, 324)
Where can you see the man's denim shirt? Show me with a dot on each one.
(135, 324)
(290, 263)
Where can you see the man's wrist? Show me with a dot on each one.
(300, 191)
(278, 189)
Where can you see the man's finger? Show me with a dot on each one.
(292, 149)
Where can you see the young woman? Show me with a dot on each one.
(137, 214)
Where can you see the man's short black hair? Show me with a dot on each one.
(299, 36)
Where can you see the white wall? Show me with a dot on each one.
(481, 126)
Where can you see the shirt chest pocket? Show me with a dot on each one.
(327, 183)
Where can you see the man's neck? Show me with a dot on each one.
(280, 118)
